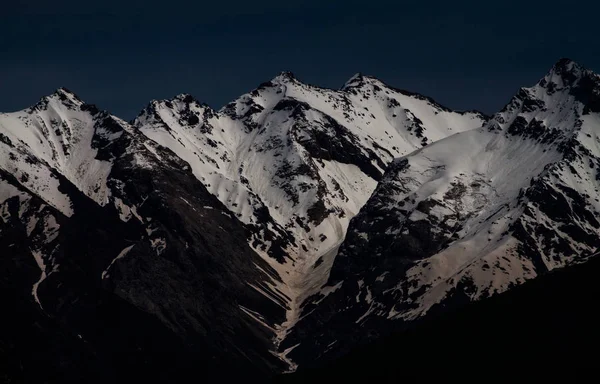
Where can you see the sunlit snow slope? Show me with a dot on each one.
(296, 162)
(471, 215)
(261, 191)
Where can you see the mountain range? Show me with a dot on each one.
(283, 231)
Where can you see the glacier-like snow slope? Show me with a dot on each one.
(62, 134)
(471, 215)
(296, 162)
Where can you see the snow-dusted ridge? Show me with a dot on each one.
(59, 135)
(293, 163)
(473, 214)
(353, 209)
(81, 189)
(296, 162)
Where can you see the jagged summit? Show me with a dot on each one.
(182, 97)
(286, 75)
(567, 67)
(295, 221)
(64, 92)
(360, 80)
(355, 81)
(552, 110)
(61, 96)
(296, 162)
(467, 217)
(186, 97)
(568, 75)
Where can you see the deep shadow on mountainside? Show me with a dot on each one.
(125, 330)
(544, 329)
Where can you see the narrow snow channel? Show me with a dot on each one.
(121, 255)
(37, 255)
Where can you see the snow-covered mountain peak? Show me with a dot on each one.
(182, 99)
(360, 80)
(295, 128)
(564, 73)
(569, 77)
(60, 135)
(187, 98)
(473, 214)
(343, 210)
(65, 92)
(295, 163)
(361, 84)
(184, 108)
(365, 87)
(285, 76)
(62, 98)
(552, 110)
(292, 162)
(355, 81)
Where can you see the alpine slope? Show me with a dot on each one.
(286, 228)
(295, 163)
(468, 217)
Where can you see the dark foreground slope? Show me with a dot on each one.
(544, 329)
(126, 329)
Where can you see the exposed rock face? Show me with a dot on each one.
(284, 229)
(501, 335)
(210, 227)
(295, 163)
(124, 227)
(467, 217)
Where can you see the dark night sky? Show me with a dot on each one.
(121, 54)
